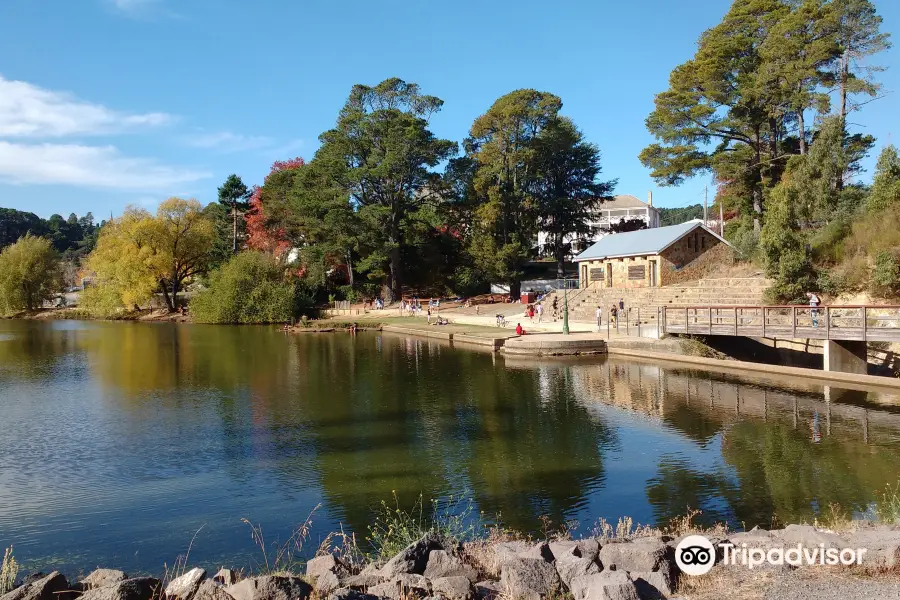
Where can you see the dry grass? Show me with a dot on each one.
(281, 558)
(9, 569)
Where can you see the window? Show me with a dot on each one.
(596, 274)
(637, 272)
(703, 243)
(689, 243)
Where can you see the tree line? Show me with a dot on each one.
(385, 207)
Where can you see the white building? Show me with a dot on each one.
(623, 207)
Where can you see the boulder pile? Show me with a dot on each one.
(434, 569)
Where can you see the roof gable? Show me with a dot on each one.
(641, 242)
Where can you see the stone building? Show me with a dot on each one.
(651, 257)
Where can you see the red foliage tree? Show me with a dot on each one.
(263, 233)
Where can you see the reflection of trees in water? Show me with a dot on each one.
(790, 453)
(31, 349)
(368, 415)
(419, 417)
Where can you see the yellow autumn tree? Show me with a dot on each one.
(140, 253)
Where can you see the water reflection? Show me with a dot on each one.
(121, 439)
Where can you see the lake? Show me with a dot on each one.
(120, 441)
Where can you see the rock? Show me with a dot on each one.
(530, 578)
(639, 555)
(327, 582)
(270, 587)
(608, 585)
(540, 551)
(654, 585)
(210, 590)
(50, 587)
(350, 594)
(809, 536)
(138, 588)
(584, 548)
(442, 564)
(327, 563)
(403, 587)
(33, 577)
(487, 590)
(103, 578)
(457, 587)
(570, 566)
(362, 581)
(185, 587)
(882, 546)
(413, 558)
(225, 577)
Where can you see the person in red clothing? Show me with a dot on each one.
(519, 330)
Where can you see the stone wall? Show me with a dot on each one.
(697, 255)
(627, 272)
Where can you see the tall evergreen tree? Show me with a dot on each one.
(567, 188)
(235, 196)
(381, 153)
(503, 145)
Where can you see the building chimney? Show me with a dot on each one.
(650, 198)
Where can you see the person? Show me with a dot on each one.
(540, 312)
(428, 318)
(599, 315)
(555, 304)
(519, 330)
(614, 316)
(531, 312)
(621, 304)
(477, 309)
(813, 310)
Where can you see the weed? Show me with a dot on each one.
(9, 568)
(284, 557)
(395, 528)
(887, 507)
(835, 519)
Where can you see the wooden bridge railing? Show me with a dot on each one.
(863, 322)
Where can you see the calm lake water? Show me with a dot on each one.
(120, 440)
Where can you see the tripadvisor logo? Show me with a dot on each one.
(695, 555)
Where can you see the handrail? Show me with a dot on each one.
(730, 306)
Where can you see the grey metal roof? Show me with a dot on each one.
(641, 242)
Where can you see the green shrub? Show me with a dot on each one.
(395, 528)
(250, 288)
(886, 276)
(102, 301)
(744, 240)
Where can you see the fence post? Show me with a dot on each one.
(827, 323)
(639, 321)
(658, 318)
(687, 326)
(865, 324)
(735, 321)
(627, 320)
(794, 322)
(709, 324)
(764, 320)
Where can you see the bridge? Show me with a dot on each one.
(845, 330)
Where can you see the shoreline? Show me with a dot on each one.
(613, 562)
(538, 344)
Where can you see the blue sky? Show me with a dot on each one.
(105, 103)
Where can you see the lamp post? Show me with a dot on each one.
(565, 307)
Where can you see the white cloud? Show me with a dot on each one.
(226, 141)
(30, 111)
(88, 166)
